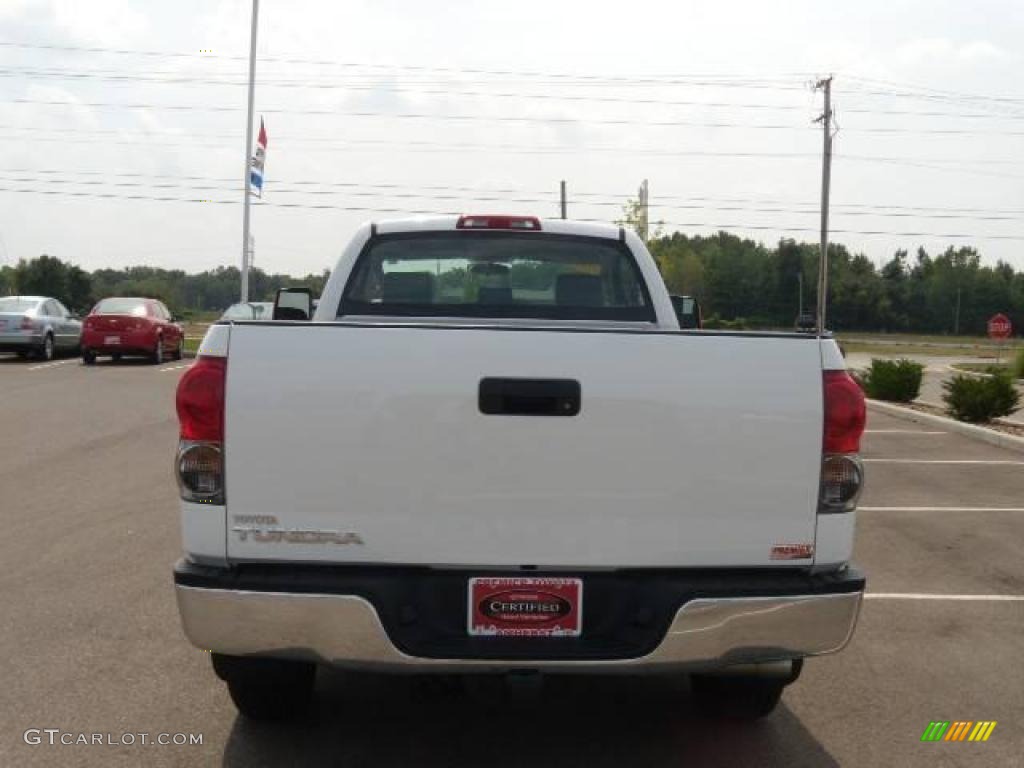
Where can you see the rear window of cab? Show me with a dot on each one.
(18, 305)
(497, 275)
(135, 307)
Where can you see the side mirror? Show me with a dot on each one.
(293, 304)
(687, 311)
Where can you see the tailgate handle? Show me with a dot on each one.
(529, 397)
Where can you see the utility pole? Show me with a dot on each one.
(246, 184)
(826, 179)
(643, 200)
(565, 203)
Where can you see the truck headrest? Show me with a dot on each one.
(494, 295)
(578, 291)
(408, 288)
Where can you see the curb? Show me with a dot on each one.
(1011, 422)
(990, 436)
(953, 369)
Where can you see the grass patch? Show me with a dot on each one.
(927, 345)
(918, 338)
(195, 328)
(905, 350)
(982, 367)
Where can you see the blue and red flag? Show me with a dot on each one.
(258, 159)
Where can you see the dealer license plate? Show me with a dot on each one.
(525, 606)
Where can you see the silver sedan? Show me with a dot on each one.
(249, 310)
(37, 325)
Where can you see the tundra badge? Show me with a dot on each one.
(266, 529)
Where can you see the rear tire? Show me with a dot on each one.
(116, 357)
(267, 689)
(177, 354)
(739, 698)
(46, 352)
(88, 357)
(158, 352)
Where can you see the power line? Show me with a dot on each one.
(447, 146)
(538, 195)
(781, 81)
(710, 78)
(407, 211)
(904, 89)
(356, 184)
(870, 232)
(777, 82)
(307, 84)
(439, 147)
(415, 115)
(506, 118)
(500, 196)
(912, 163)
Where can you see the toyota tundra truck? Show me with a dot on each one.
(492, 449)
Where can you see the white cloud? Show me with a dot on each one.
(100, 22)
(14, 9)
(983, 50)
(944, 51)
(928, 49)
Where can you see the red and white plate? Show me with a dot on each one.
(111, 341)
(525, 606)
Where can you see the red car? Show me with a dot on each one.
(125, 326)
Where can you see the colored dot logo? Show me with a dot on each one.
(958, 730)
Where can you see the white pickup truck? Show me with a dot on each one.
(493, 450)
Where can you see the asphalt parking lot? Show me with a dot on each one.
(90, 641)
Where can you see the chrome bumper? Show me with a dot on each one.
(345, 630)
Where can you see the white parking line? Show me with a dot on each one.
(940, 509)
(174, 368)
(997, 462)
(53, 364)
(902, 432)
(924, 596)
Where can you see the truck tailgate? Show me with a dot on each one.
(688, 449)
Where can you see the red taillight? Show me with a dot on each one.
(523, 223)
(845, 413)
(200, 400)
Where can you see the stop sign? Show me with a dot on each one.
(999, 327)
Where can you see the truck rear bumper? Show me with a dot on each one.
(701, 633)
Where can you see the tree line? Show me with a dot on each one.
(184, 294)
(740, 283)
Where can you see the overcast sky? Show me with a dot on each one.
(707, 100)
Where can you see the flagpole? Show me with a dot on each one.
(246, 184)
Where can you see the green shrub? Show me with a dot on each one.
(716, 323)
(980, 399)
(1018, 364)
(895, 380)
